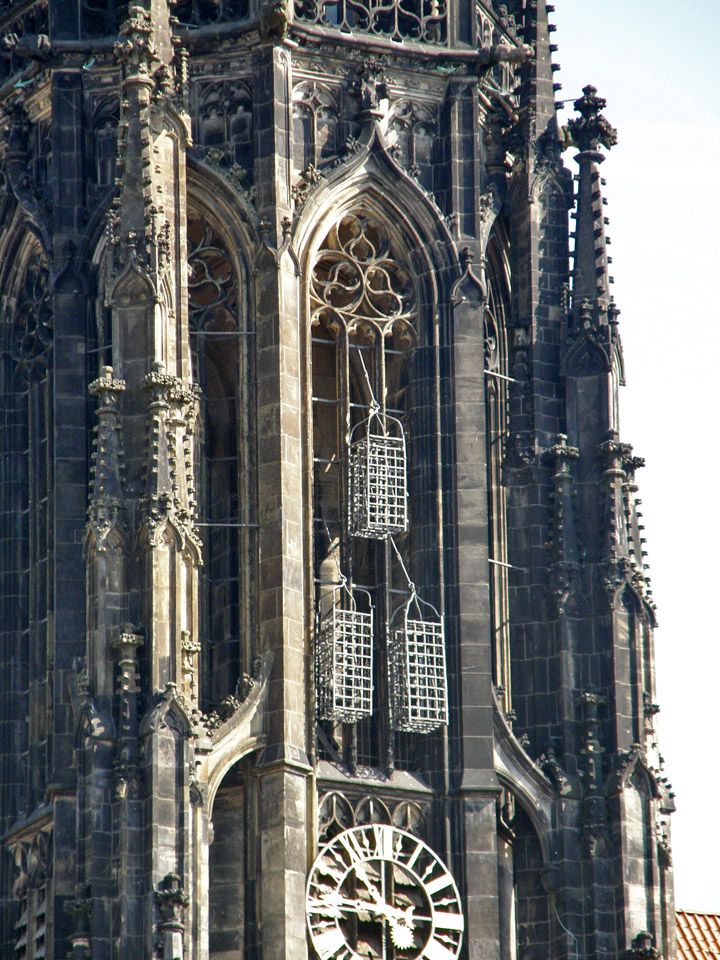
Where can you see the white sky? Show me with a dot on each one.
(658, 66)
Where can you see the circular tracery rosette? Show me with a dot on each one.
(357, 276)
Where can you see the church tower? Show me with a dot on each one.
(326, 624)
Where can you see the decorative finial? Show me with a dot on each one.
(591, 129)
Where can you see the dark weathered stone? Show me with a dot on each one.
(369, 220)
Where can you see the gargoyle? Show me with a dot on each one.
(502, 53)
(274, 23)
(34, 46)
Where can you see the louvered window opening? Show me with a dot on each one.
(417, 672)
(30, 928)
(378, 479)
(344, 660)
(39, 952)
(21, 928)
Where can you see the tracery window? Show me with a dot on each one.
(223, 124)
(364, 311)
(104, 144)
(315, 125)
(198, 13)
(26, 447)
(220, 357)
(421, 20)
(496, 405)
(100, 18)
(30, 889)
(415, 130)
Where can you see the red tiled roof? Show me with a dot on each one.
(698, 935)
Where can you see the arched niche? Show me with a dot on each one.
(632, 661)
(536, 930)
(233, 866)
(528, 925)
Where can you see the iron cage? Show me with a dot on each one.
(344, 658)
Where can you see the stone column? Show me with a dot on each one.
(479, 787)
(283, 768)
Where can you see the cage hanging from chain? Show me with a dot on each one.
(418, 677)
(378, 477)
(344, 658)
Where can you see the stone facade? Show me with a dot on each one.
(315, 513)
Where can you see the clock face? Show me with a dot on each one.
(376, 891)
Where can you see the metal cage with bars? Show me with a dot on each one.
(378, 477)
(344, 658)
(418, 677)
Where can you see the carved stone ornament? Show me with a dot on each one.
(231, 704)
(626, 764)
(504, 53)
(357, 280)
(106, 494)
(642, 948)
(551, 766)
(80, 909)
(137, 50)
(171, 902)
(33, 46)
(25, 40)
(470, 286)
(306, 183)
(591, 129)
(274, 20)
(486, 203)
(32, 332)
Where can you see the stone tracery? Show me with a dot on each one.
(33, 327)
(358, 280)
(420, 20)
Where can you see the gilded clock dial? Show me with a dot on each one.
(377, 891)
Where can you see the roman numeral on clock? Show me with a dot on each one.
(384, 841)
(353, 847)
(434, 950)
(449, 921)
(329, 943)
(438, 884)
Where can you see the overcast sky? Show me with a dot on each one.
(657, 66)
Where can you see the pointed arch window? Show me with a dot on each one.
(221, 356)
(496, 413)
(26, 440)
(364, 312)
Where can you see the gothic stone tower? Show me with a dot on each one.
(326, 630)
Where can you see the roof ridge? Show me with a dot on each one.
(705, 913)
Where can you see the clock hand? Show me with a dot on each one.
(334, 901)
(361, 872)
